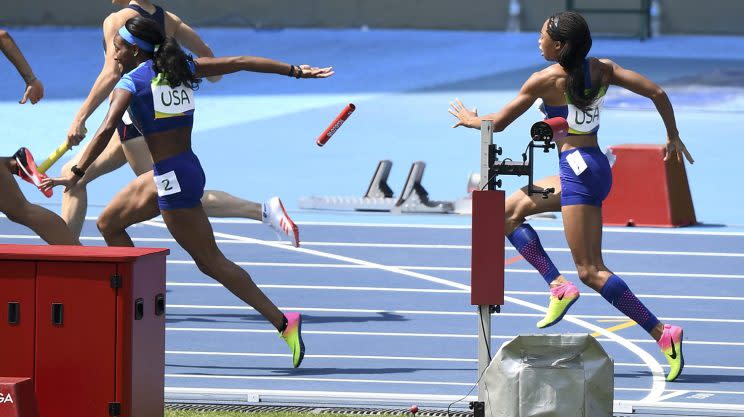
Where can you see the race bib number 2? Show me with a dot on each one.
(167, 184)
(170, 102)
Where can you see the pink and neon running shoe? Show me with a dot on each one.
(562, 298)
(292, 335)
(671, 345)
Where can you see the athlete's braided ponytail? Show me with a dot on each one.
(571, 29)
(168, 56)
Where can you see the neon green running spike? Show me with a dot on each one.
(292, 335)
(562, 298)
(671, 345)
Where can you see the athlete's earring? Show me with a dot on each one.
(135, 53)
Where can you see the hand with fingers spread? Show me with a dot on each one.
(674, 146)
(34, 91)
(306, 71)
(465, 117)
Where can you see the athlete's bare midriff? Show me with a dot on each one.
(172, 142)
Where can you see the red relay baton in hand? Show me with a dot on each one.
(335, 124)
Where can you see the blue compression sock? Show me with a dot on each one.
(525, 240)
(616, 291)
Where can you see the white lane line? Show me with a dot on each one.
(450, 268)
(621, 341)
(608, 229)
(384, 245)
(437, 313)
(331, 333)
(280, 264)
(322, 396)
(715, 367)
(389, 382)
(256, 395)
(403, 358)
(511, 248)
(100, 239)
(405, 246)
(672, 394)
(329, 288)
(332, 310)
(316, 356)
(658, 380)
(424, 290)
(298, 378)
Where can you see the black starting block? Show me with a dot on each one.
(380, 197)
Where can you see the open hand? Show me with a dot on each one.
(306, 71)
(465, 117)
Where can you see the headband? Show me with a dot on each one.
(133, 40)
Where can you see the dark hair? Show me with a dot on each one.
(571, 29)
(168, 57)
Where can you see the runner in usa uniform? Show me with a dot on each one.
(157, 90)
(128, 145)
(574, 88)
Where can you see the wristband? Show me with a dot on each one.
(295, 71)
(77, 171)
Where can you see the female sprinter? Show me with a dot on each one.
(574, 89)
(128, 144)
(13, 204)
(158, 88)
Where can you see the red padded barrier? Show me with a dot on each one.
(487, 251)
(87, 324)
(646, 190)
(17, 398)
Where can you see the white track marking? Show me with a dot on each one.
(658, 382)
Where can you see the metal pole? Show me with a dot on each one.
(484, 311)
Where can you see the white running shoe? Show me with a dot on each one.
(276, 216)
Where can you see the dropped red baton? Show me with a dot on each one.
(335, 124)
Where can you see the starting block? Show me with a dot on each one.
(380, 197)
(646, 190)
(415, 198)
(17, 398)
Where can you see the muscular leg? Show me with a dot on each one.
(222, 204)
(75, 200)
(583, 227)
(520, 205)
(138, 155)
(198, 240)
(43, 222)
(136, 203)
(215, 203)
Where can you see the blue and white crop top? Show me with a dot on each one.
(580, 122)
(155, 106)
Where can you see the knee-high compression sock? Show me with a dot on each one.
(525, 240)
(616, 291)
